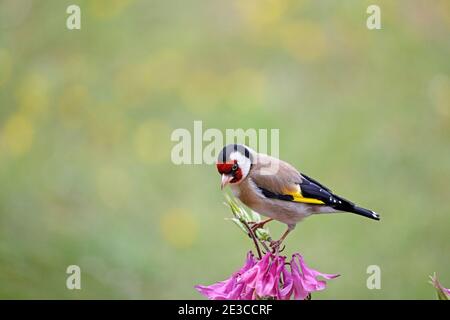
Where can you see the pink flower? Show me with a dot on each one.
(268, 278)
(288, 283)
(229, 289)
(304, 280)
(269, 284)
(264, 277)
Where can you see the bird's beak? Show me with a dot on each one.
(225, 180)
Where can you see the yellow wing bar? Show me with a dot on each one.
(298, 197)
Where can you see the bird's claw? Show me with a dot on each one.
(255, 226)
(275, 246)
(274, 251)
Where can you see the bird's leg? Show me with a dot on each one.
(256, 225)
(275, 245)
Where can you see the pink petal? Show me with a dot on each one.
(249, 262)
(248, 294)
(298, 284)
(217, 291)
(268, 285)
(310, 281)
(228, 289)
(254, 275)
(313, 272)
(288, 283)
(235, 294)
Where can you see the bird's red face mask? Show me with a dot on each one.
(230, 171)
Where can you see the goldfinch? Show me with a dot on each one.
(277, 190)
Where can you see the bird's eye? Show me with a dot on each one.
(234, 167)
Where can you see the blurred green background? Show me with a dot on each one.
(86, 117)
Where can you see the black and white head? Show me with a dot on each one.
(234, 163)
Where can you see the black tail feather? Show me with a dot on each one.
(365, 212)
(348, 206)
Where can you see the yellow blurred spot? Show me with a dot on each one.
(105, 126)
(107, 8)
(76, 68)
(162, 71)
(129, 85)
(304, 40)
(5, 66)
(204, 90)
(151, 141)
(249, 88)
(179, 228)
(113, 186)
(444, 10)
(72, 103)
(17, 134)
(262, 13)
(32, 94)
(439, 91)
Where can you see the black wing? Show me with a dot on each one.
(313, 189)
(315, 193)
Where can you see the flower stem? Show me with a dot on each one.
(252, 235)
(264, 245)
